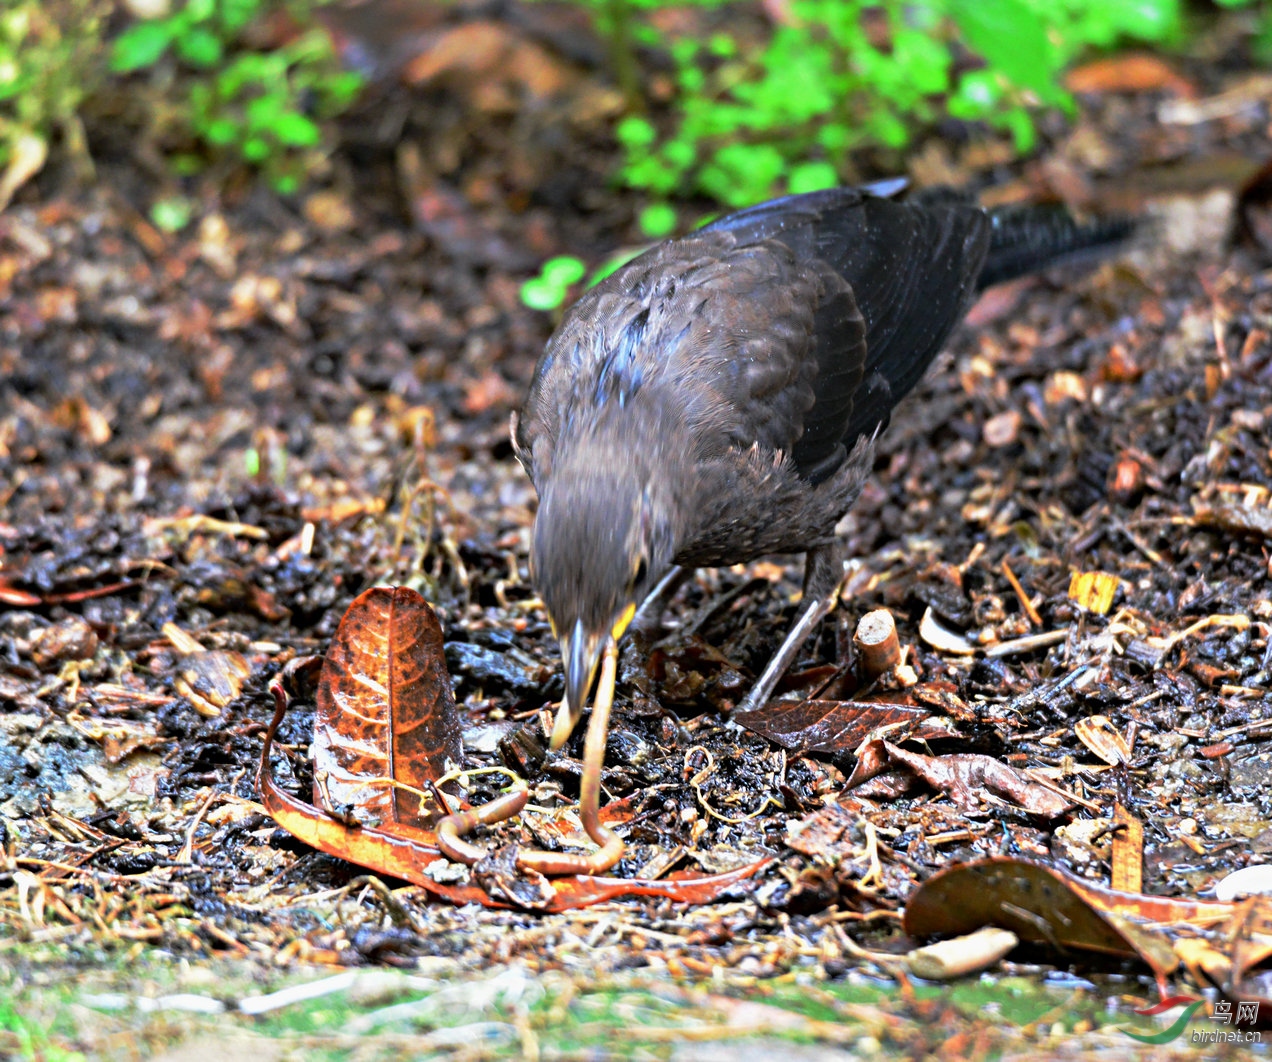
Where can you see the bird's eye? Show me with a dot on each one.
(642, 569)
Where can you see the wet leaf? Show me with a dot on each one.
(1045, 905)
(386, 711)
(968, 779)
(410, 854)
(839, 727)
(385, 708)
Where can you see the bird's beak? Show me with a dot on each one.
(580, 652)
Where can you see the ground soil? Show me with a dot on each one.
(363, 347)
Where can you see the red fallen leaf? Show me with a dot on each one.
(1046, 905)
(838, 727)
(385, 708)
(407, 852)
(968, 779)
(1134, 72)
(398, 845)
(11, 595)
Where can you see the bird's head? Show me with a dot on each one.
(602, 539)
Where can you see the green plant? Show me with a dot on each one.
(48, 53)
(837, 76)
(30, 1040)
(1262, 43)
(263, 107)
(548, 290)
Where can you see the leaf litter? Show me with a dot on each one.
(1072, 529)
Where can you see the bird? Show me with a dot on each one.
(719, 398)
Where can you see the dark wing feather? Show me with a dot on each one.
(912, 271)
(716, 326)
(795, 325)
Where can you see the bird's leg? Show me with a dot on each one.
(649, 616)
(824, 572)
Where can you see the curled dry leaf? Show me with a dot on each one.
(1098, 734)
(1046, 905)
(968, 779)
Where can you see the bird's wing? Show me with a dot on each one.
(706, 331)
(795, 325)
(912, 270)
(905, 269)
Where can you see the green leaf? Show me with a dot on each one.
(263, 112)
(295, 130)
(563, 270)
(1021, 126)
(235, 14)
(171, 214)
(1149, 20)
(1012, 38)
(811, 177)
(977, 94)
(140, 46)
(220, 132)
(199, 10)
(635, 132)
(339, 90)
(657, 220)
(723, 46)
(200, 47)
(255, 149)
(538, 294)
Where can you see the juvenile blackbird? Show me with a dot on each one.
(718, 398)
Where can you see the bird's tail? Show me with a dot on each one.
(1027, 239)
